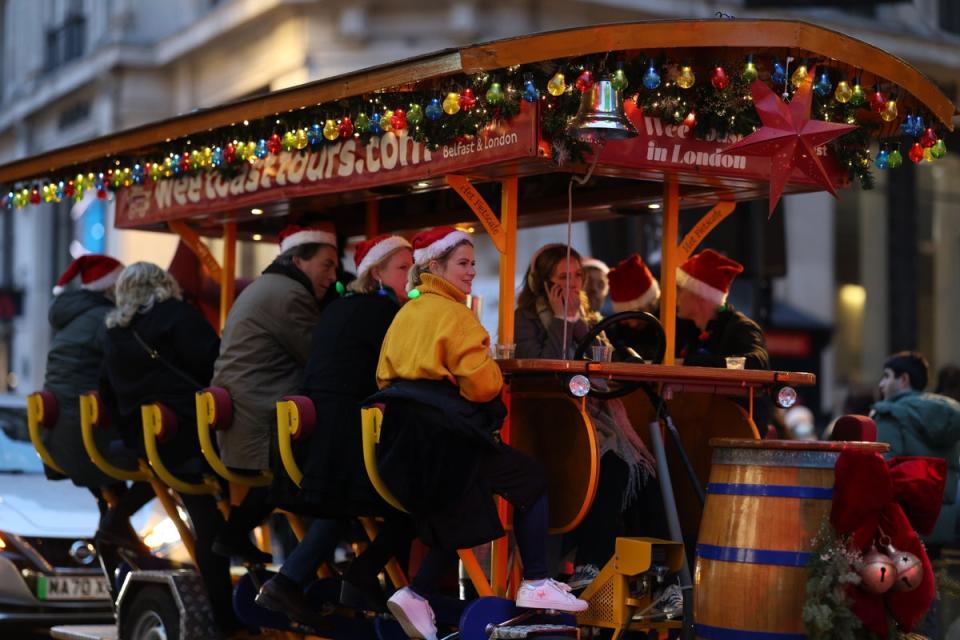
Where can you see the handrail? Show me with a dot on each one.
(89, 419)
(206, 416)
(288, 423)
(35, 418)
(152, 425)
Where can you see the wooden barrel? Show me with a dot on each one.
(765, 502)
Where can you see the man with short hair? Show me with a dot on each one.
(915, 423)
(263, 354)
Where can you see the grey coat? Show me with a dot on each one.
(73, 367)
(263, 352)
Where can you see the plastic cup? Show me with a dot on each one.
(505, 351)
(736, 362)
(601, 352)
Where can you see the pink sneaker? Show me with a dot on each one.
(414, 614)
(548, 594)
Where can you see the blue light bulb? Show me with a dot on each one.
(375, 127)
(434, 110)
(779, 76)
(823, 86)
(651, 79)
(530, 92)
(882, 160)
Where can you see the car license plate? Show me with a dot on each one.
(72, 588)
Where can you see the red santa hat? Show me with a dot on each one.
(372, 251)
(97, 273)
(433, 243)
(632, 286)
(709, 275)
(587, 263)
(294, 236)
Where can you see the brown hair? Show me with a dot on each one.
(539, 273)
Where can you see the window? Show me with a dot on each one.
(66, 41)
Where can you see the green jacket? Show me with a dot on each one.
(926, 424)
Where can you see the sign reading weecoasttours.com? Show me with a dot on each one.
(674, 149)
(346, 165)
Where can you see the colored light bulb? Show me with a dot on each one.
(896, 159)
(918, 127)
(451, 104)
(799, 75)
(415, 114)
(530, 91)
(584, 81)
(619, 80)
(346, 127)
(686, 79)
(557, 84)
(275, 144)
(889, 112)
(823, 86)
(467, 100)
(859, 96)
(939, 149)
(494, 94)
(882, 161)
(289, 141)
(434, 110)
(877, 101)
(399, 120)
(651, 79)
(928, 154)
(362, 125)
(719, 79)
(843, 92)
(916, 152)
(929, 138)
(906, 127)
(691, 119)
(779, 76)
(330, 130)
(386, 120)
(375, 124)
(749, 73)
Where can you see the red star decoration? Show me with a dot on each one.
(789, 137)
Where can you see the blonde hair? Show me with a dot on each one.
(414, 278)
(139, 287)
(365, 282)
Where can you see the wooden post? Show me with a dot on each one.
(508, 259)
(228, 271)
(668, 265)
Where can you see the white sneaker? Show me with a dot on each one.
(414, 614)
(548, 594)
(582, 576)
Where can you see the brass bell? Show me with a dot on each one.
(878, 573)
(909, 569)
(601, 115)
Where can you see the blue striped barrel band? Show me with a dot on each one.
(776, 458)
(723, 633)
(770, 490)
(753, 556)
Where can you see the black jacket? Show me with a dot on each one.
(431, 446)
(185, 340)
(340, 373)
(730, 333)
(73, 367)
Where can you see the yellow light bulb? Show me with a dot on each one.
(799, 75)
(686, 78)
(386, 122)
(843, 92)
(330, 130)
(451, 104)
(889, 112)
(557, 84)
(301, 141)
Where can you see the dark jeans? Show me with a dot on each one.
(317, 546)
(597, 533)
(521, 481)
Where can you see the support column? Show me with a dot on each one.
(508, 259)
(668, 264)
(228, 272)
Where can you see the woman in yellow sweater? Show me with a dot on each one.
(444, 459)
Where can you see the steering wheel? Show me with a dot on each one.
(629, 341)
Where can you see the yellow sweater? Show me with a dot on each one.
(436, 337)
